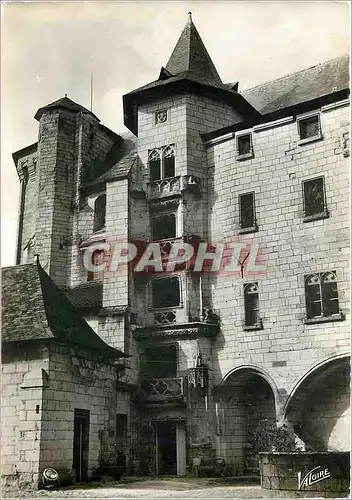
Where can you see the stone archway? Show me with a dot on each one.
(246, 403)
(319, 407)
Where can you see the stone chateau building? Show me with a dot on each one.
(147, 371)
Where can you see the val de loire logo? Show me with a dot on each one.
(313, 476)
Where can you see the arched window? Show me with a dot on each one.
(161, 163)
(99, 212)
(154, 165)
(251, 304)
(313, 296)
(168, 169)
(321, 294)
(97, 260)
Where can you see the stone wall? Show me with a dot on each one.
(24, 376)
(83, 381)
(289, 248)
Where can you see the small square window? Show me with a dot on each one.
(164, 226)
(244, 146)
(161, 116)
(166, 292)
(314, 199)
(309, 128)
(159, 362)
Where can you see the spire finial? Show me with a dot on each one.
(189, 17)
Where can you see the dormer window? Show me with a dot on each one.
(162, 163)
(99, 212)
(309, 128)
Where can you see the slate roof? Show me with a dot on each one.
(190, 55)
(302, 86)
(127, 156)
(85, 296)
(189, 66)
(189, 60)
(34, 308)
(121, 168)
(63, 103)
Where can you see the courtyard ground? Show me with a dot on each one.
(159, 489)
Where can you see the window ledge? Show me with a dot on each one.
(319, 216)
(257, 326)
(245, 230)
(166, 309)
(244, 156)
(314, 138)
(324, 319)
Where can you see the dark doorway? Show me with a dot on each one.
(167, 454)
(121, 440)
(81, 444)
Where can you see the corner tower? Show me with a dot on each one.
(173, 322)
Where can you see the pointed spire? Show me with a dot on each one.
(190, 55)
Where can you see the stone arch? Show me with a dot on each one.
(318, 407)
(247, 400)
(257, 371)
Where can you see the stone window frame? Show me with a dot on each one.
(305, 117)
(159, 215)
(248, 155)
(322, 298)
(97, 277)
(324, 214)
(99, 213)
(254, 227)
(156, 119)
(258, 324)
(173, 344)
(159, 152)
(150, 293)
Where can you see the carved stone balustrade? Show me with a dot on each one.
(163, 389)
(173, 186)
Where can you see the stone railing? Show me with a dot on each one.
(173, 186)
(162, 389)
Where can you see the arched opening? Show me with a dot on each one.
(247, 407)
(319, 407)
(99, 212)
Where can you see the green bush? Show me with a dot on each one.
(269, 437)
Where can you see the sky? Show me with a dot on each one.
(49, 50)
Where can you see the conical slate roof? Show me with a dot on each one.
(189, 69)
(190, 55)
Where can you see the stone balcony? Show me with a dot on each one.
(173, 186)
(163, 390)
(187, 330)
